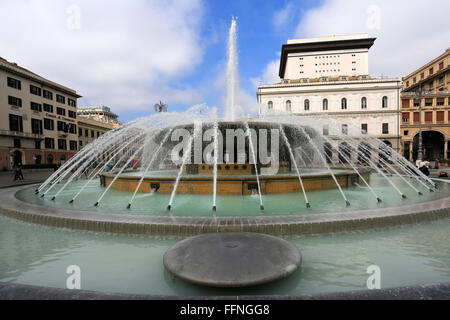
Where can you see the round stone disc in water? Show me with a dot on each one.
(232, 259)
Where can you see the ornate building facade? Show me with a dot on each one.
(329, 77)
(427, 88)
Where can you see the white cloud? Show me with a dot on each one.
(409, 33)
(283, 16)
(269, 75)
(120, 53)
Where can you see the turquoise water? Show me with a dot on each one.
(36, 255)
(233, 206)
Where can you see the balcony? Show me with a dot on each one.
(23, 135)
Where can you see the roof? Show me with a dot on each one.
(323, 44)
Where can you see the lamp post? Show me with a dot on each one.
(420, 150)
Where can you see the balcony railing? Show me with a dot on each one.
(25, 135)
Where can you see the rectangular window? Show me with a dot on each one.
(47, 94)
(440, 101)
(416, 117)
(60, 111)
(72, 128)
(71, 102)
(416, 102)
(86, 132)
(49, 143)
(17, 143)
(326, 130)
(428, 102)
(37, 144)
(441, 65)
(62, 144)
(80, 132)
(15, 123)
(406, 132)
(36, 106)
(81, 143)
(14, 83)
(441, 80)
(431, 71)
(61, 126)
(60, 99)
(422, 75)
(364, 128)
(405, 117)
(405, 103)
(440, 116)
(48, 108)
(73, 145)
(36, 126)
(344, 129)
(92, 134)
(49, 124)
(13, 101)
(72, 114)
(35, 90)
(429, 116)
(385, 128)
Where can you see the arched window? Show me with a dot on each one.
(385, 102)
(50, 159)
(288, 106)
(306, 105)
(325, 104)
(344, 104)
(363, 103)
(270, 105)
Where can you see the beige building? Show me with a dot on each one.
(91, 129)
(38, 122)
(433, 80)
(101, 114)
(337, 86)
(325, 57)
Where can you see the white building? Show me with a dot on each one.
(329, 76)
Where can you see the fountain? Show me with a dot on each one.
(190, 173)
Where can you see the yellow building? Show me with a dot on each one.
(91, 129)
(433, 81)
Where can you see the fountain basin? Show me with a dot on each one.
(335, 221)
(233, 184)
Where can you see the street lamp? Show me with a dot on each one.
(420, 150)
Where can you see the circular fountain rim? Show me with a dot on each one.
(321, 223)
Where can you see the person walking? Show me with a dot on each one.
(19, 172)
(15, 173)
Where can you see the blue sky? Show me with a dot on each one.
(131, 54)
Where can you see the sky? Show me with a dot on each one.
(131, 54)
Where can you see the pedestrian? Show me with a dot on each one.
(19, 172)
(15, 173)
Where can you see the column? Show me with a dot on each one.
(446, 150)
(411, 145)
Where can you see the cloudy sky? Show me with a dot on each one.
(131, 54)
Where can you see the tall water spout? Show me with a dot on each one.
(232, 73)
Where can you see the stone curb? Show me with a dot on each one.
(313, 224)
(439, 291)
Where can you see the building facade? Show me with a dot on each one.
(101, 114)
(38, 122)
(427, 88)
(91, 129)
(329, 77)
